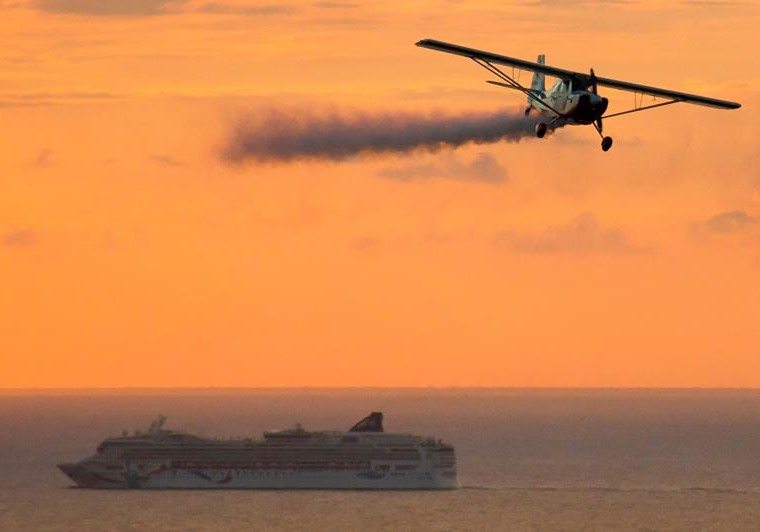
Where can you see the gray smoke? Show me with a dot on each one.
(280, 136)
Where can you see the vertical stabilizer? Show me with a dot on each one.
(537, 85)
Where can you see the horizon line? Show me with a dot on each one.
(50, 390)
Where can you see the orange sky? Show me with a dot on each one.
(132, 255)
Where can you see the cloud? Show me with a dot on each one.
(565, 4)
(143, 8)
(107, 7)
(335, 5)
(227, 9)
(274, 135)
(583, 235)
(728, 222)
(484, 167)
(167, 160)
(715, 3)
(363, 243)
(35, 99)
(43, 158)
(19, 238)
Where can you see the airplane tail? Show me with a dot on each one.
(537, 85)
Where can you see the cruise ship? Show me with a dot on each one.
(364, 457)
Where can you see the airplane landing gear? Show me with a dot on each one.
(606, 141)
(541, 129)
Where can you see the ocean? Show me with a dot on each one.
(528, 459)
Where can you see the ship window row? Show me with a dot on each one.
(367, 450)
(251, 458)
(211, 445)
(271, 465)
(310, 448)
(371, 454)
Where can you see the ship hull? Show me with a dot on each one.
(224, 478)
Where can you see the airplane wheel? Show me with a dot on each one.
(541, 130)
(606, 143)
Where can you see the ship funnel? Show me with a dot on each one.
(157, 425)
(371, 423)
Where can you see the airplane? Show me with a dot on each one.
(574, 98)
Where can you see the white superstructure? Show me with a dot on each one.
(365, 457)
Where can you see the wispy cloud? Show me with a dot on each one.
(571, 5)
(335, 5)
(715, 3)
(148, 8)
(35, 99)
(583, 235)
(108, 7)
(217, 8)
(728, 222)
(43, 159)
(167, 160)
(19, 238)
(365, 242)
(484, 167)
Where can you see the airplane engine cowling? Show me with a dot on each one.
(601, 107)
(585, 108)
(589, 107)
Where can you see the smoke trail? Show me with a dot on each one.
(284, 136)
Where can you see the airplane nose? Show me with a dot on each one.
(602, 106)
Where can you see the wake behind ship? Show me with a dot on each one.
(364, 457)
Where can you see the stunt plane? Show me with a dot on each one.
(573, 100)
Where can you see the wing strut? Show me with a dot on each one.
(512, 84)
(637, 109)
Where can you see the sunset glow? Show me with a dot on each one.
(133, 253)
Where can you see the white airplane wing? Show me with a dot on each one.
(521, 64)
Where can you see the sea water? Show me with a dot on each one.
(527, 459)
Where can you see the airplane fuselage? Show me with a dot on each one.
(568, 105)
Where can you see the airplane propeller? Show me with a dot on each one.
(594, 90)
